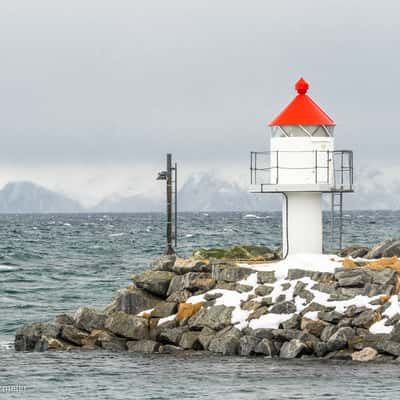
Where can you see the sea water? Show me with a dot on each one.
(50, 264)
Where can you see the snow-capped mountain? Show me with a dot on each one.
(27, 197)
(206, 192)
(201, 192)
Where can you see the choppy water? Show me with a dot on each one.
(54, 263)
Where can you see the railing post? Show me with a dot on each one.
(251, 168)
(277, 166)
(316, 166)
(342, 172)
(327, 168)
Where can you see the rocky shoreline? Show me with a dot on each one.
(343, 307)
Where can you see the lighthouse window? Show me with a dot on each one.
(293, 131)
(302, 131)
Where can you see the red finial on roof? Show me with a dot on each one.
(301, 86)
(302, 110)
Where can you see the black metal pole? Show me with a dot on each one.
(169, 249)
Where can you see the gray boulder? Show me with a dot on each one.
(198, 282)
(258, 313)
(157, 329)
(365, 339)
(190, 340)
(127, 325)
(73, 335)
(388, 347)
(225, 345)
(340, 339)
(108, 341)
(163, 263)
(176, 285)
(170, 349)
(365, 319)
(316, 307)
(393, 250)
(180, 296)
(28, 336)
(372, 290)
(292, 323)
(205, 337)
(263, 333)
(230, 272)
(340, 355)
(294, 348)
(266, 277)
(330, 316)
(217, 317)
(328, 287)
(395, 335)
(64, 319)
(328, 331)
(355, 277)
(155, 282)
(354, 251)
(247, 345)
(263, 290)
(320, 349)
(383, 277)
(266, 347)
(164, 309)
(88, 319)
(172, 335)
(132, 300)
(143, 346)
(379, 250)
(285, 335)
(284, 307)
(296, 273)
(183, 266)
(315, 327)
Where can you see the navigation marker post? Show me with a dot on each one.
(170, 176)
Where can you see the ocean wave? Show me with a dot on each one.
(116, 234)
(6, 345)
(7, 268)
(254, 216)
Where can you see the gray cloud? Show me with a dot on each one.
(97, 82)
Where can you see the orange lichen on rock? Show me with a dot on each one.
(186, 310)
(385, 262)
(146, 315)
(397, 287)
(377, 316)
(348, 263)
(383, 299)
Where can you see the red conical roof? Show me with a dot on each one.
(302, 110)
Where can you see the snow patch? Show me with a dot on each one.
(166, 319)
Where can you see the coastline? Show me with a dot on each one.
(332, 307)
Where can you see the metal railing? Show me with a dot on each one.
(333, 168)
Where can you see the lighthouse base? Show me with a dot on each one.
(302, 223)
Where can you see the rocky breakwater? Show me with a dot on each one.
(306, 306)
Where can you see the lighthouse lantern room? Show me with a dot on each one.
(302, 164)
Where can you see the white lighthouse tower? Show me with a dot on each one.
(302, 164)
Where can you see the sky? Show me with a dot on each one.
(93, 93)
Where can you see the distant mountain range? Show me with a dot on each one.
(27, 197)
(201, 192)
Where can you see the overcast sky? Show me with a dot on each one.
(94, 92)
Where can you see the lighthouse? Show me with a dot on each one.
(302, 164)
